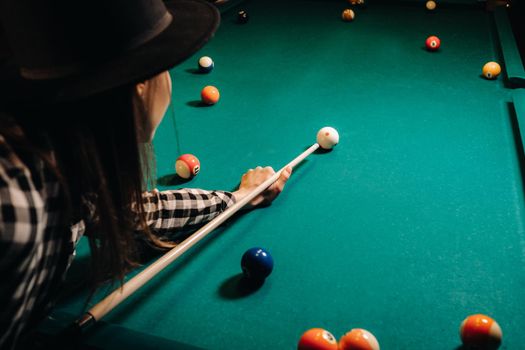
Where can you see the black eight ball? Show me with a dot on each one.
(242, 17)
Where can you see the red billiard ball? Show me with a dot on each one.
(317, 339)
(358, 339)
(433, 43)
(480, 332)
(187, 166)
(210, 95)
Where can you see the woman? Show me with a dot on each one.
(85, 85)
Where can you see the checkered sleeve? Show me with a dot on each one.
(28, 253)
(174, 212)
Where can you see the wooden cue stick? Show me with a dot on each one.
(116, 297)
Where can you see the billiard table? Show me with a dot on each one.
(413, 222)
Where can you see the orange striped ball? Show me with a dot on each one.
(358, 339)
(480, 332)
(317, 339)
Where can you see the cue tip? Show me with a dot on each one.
(84, 322)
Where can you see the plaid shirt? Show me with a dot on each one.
(36, 251)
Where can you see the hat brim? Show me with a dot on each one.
(194, 23)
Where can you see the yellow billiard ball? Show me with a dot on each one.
(491, 70)
(430, 5)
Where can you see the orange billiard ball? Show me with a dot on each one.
(210, 95)
(360, 3)
(358, 339)
(317, 339)
(187, 166)
(491, 70)
(480, 332)
(348, 15)
(433, 43)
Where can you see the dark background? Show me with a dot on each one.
(517, 17)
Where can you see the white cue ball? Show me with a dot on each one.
(327, 137)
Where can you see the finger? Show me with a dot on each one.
(285, 175)
(288, 172)
(283, 178)
(278, 185)
(269, 170)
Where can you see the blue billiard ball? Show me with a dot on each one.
(205, 64)
(256, 264)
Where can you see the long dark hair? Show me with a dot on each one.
(91, 145)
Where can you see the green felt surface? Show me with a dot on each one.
(414, 221)
(514, 66)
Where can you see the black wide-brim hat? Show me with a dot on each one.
(60, 50)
